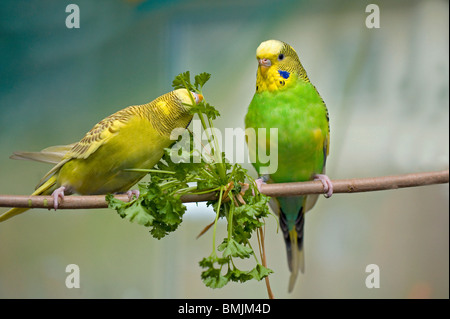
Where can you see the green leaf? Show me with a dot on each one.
(237, 275)
(137, 213)
(260, 272)
(183, 81)
(201, 79)
(160, 230)
(116, 204)
(133, 211)
(213, 279)
(234, 249)
(205, 108)
(170, 213)
(207, 262)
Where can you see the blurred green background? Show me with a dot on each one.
(387, 91)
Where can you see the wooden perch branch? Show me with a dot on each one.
(282, 189)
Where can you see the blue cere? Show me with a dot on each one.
(284, 74)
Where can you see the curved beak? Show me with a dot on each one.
(264, 65)
(197, 97)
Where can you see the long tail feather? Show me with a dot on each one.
(294, 246)
(12, 212)
(298, 260)
(52, 154)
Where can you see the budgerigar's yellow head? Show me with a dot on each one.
(187, 97)
(278, 66)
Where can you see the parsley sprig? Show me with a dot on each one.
(159, 205)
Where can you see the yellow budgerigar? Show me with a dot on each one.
(134, 137)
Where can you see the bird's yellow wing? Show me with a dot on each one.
(93, 139)
(100, 134)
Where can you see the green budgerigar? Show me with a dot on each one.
(286, 100)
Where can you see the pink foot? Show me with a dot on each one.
(134, 192)
(58, 193)
(326, 182)
(260, 181)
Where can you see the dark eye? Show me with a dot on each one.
(281, 57)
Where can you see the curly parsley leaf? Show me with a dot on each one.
(183, 81)
(201, 79)
(234, 249)
(207, 109)
(212, 278)
(159, 206)
(133, 211)
(260, 272)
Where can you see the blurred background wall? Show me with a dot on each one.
(386, 89)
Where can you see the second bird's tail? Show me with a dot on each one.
(294, 247)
